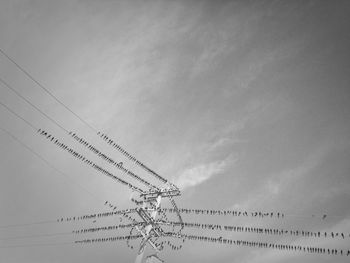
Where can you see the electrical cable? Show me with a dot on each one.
(5, 84)
(43, 88)
(48, 163)
(31, 125)
(80, 118)
(29, 224)
(40, 235)
(18, 116)
(8, 86)
(38, 245)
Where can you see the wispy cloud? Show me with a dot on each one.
(198, 174)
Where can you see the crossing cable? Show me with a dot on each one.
(5, 84)
(120, 149)
(110, 160)
(90, 163)
(131, 157)
(50, 165)
(94, 166)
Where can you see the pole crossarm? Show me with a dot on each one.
(152, 195)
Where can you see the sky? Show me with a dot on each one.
(242, 104)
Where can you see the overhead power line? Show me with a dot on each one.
(231, 228)
(38, 245)
(110, 160)
(18, 116)
(48, 164)
(130, 157)
(39, 235)
(8, 86)
(258, 230)
(95, 166)
(45, 89)
(266, 245)
(29, 224)
(105, 137)
(89, 162)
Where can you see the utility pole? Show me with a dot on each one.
(148, 213)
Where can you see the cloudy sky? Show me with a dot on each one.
(242, 104)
